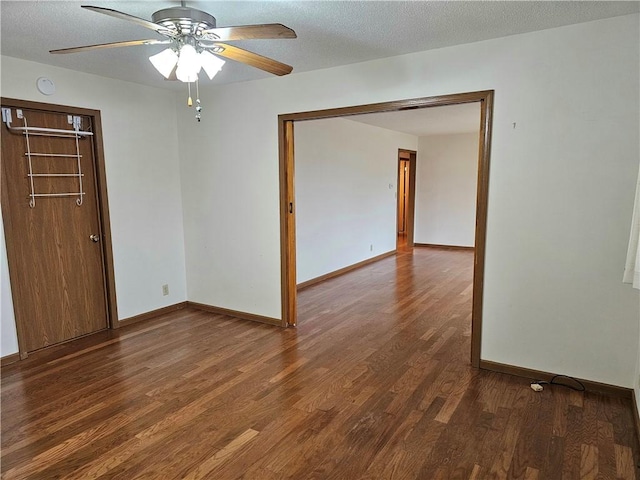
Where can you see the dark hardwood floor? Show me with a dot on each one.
(375, 383)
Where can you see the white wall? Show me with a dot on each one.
(8, 335)
(560, 199)
(141, 150)
(346, 175)
(446, 186)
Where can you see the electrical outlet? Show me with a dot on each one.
(371, 247)
(165, 289)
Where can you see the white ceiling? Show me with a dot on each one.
(421, 122)
(330, 33)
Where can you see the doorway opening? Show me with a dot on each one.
(286, 125)
(406, 199)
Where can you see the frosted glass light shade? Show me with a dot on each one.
(165, 61)
(188, 64)
(211, 64)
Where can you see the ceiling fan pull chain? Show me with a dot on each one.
(189, 101)
(198, 106)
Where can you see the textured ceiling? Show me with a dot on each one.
(330, 33)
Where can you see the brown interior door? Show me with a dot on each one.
(54, 245)
(403, 197)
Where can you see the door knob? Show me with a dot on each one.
(94, 238)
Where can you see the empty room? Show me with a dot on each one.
(320, 239)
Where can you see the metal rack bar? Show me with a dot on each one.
(32, 200)
(72, 135)
(79, 200)
(57, 155)
(72, 194)
(25, 130)
(55, 174)
(44, 131)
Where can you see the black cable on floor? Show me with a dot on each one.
(565, 381)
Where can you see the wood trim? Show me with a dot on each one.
(235, 313)
(152, 314)
(50, 107)
(399, 200)
(287, 237)
(105, 224)
(342, 271)
(589, 385)
(410, 155)
(103, 205)
(636, 416)
(482, 201)
(287, 224)
(393, 106)
(411, 214)
(8, 359)
(443, 247)
(410, 189)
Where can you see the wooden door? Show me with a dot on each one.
(403, 196)
(52, 228)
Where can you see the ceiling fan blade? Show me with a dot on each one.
(252, 32)
(129, 43)
(125, 16)
(253, 59)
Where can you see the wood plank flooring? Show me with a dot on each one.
(375, 383)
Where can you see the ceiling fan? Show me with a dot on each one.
(194, 43)
(196, 30)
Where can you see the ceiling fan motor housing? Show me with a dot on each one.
(184, 20)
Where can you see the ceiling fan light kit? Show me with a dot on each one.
(188, 64)
(165, 61)
(211, 64)
(195, 44)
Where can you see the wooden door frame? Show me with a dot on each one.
(411, 187)
(103, 210)
(287, 195)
